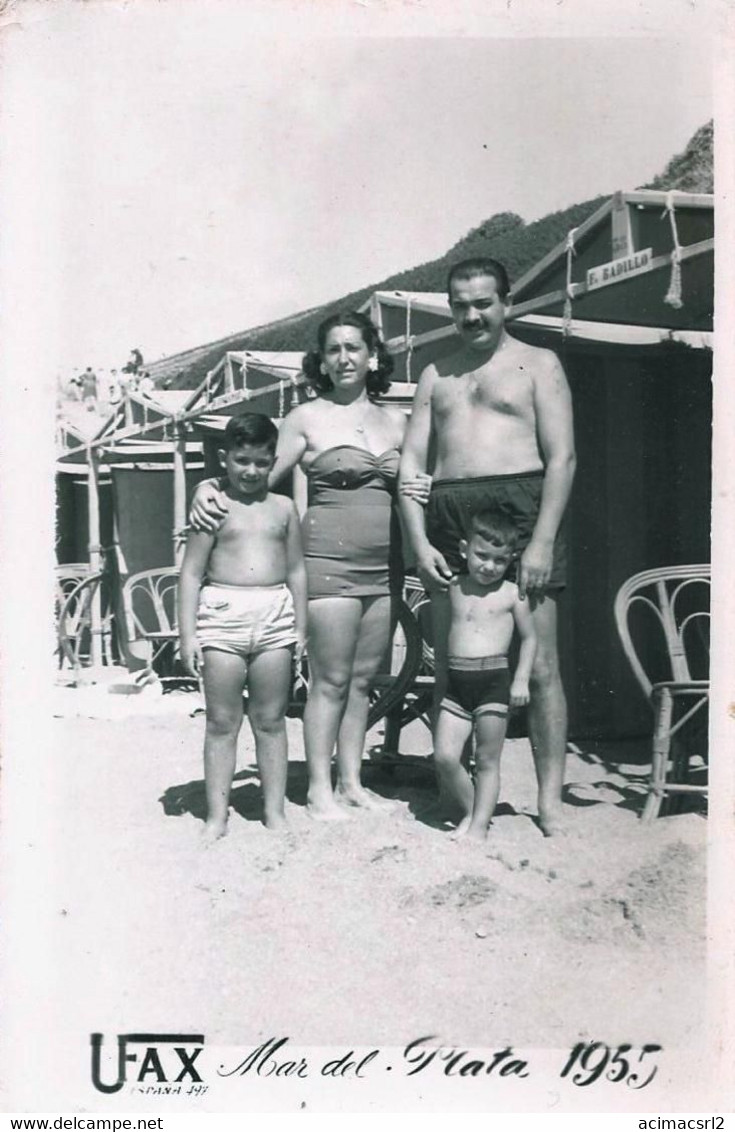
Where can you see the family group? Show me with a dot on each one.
(476, 482)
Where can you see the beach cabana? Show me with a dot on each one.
(627, 303)
(128, 482)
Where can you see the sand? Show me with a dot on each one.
(374, 931)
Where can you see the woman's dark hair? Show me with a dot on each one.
(250, 428)
(378, 380)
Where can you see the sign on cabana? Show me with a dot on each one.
(617, 269)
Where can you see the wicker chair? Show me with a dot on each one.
(671, 667)
(67, 577)
(149, 605)
(74, 624)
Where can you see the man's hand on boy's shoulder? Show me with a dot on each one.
(209, 507)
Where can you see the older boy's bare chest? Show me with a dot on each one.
(257, 523)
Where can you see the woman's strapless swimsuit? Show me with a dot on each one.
(351, 532)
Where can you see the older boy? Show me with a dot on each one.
(499, 415)
(485, 608)
(241, 627)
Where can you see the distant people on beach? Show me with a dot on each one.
(485, 608)
(146, 385)
(128, 382)
(114, 390)
(348, 445)
(134, 363)
(245, 624)
(496, 416)
(74, 387)
(89, 388)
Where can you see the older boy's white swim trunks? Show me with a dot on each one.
(245, 620)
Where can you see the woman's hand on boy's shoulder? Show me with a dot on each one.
(209, 507)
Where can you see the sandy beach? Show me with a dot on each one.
(375, 930)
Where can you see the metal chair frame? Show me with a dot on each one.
(661, 590)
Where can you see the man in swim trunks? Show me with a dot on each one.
(498, 416)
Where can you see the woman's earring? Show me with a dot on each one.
(373, 363)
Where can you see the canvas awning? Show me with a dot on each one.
(242, 375)
(638, 272)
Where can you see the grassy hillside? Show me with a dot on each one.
(691, 171)
(505, 236)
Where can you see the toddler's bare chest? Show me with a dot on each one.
(481, 611)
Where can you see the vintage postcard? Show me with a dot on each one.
(471, 850)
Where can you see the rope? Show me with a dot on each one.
(281, 399)
(409, 340)
(567, 317)
(673, 295)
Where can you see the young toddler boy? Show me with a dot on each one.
(241, 627)
(485, 609)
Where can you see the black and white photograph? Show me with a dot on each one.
(367, 506)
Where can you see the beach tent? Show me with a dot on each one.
(627, 303)
(271, 380)
(72, 472)
(659, 245)
(123, 488)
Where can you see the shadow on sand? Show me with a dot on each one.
(621, 782)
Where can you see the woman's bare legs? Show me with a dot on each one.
(374, 633)
(334, 624)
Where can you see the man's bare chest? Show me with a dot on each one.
(507, 393)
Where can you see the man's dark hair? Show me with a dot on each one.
(250, 428)
(480, 265)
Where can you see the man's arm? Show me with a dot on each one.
(414, 458)
(555, 430)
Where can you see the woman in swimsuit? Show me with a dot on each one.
(349, 446)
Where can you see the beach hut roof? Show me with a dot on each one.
(643, 260)
(240, 376)
(638, 272)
